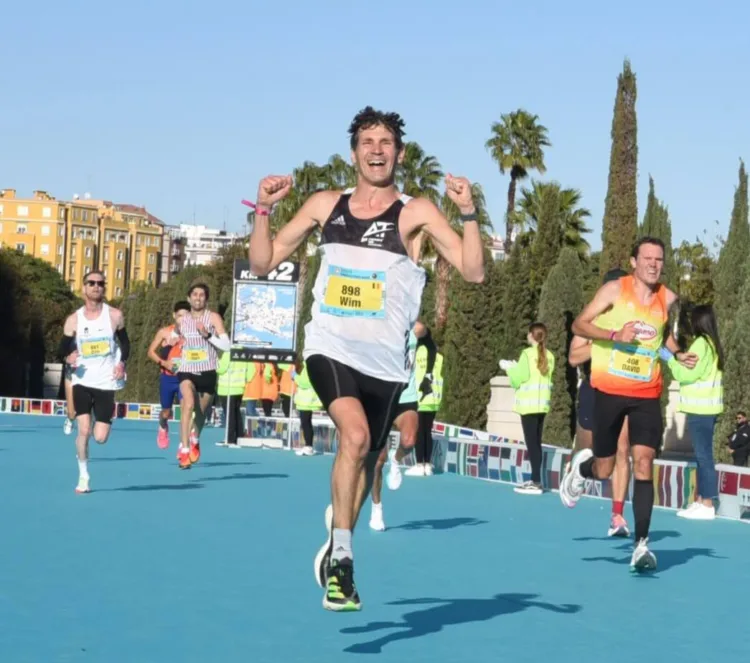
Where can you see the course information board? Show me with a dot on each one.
(264, 317)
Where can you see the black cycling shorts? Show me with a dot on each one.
(333, 380)
(99, 401)
(204, 383)
(645, 423)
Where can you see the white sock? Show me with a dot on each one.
(83, 469)
(342, 544)
(377, 507)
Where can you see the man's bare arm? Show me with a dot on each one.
(579, 351)
(71, 324)
(604, 298)
(466, 255)
(154, 345)
(267, 253)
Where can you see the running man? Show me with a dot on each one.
(202, 334)
(366, 299)
(579, 355)
(90, 341)
(166, 351)
(626, 322)
(407, 424)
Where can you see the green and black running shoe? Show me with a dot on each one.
(341, 594)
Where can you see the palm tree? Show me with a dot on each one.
(516, 145)
(571, 217)
(419, 175)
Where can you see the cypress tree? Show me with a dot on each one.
(547, 239)
(656, 223)
(736, 374)
(470, 360)
(731, 272)
(561, 301)
(519, 303)
(621, 205)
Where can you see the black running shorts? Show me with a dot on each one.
(99, 401)
(645, 424)
(333, 380)
(586, 405)
(204, 383)
(402, 408)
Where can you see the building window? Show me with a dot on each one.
(106, 255)
(74, 233)
(1, 209)
(21, 248)
(119, 274)
(85, 215)
(72, 270)
(150, 277)
(73, 251)
(118, 291)
(44, 249)
(61, 215)
(47, 212)
(104, 271)
(61, 230)
(120, 256)
(88, 252)
(45, 231)
(59, 268)
(123, 238)
(60, 250)
(23, 210)
(151, 258)
(20, 228)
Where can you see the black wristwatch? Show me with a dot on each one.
(469, 217)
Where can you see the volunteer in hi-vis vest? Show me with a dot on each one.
(702, 400)
(232, 376)
(531, 378)
(627, 321)
(306, 401)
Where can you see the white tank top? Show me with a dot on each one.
(96, 347)
(198, 355)
(367, 294)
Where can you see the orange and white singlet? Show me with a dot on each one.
(631, 369)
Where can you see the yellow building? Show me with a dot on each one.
(124, 241)
(35, 226)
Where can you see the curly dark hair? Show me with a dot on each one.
(369, 117)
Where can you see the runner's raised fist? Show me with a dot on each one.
(459, 191)
(272, 189)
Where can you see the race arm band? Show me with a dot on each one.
(67, 345)
(220, 342)
(124, 342)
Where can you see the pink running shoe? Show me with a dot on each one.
(162, 439)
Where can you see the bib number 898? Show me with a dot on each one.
(350, 290)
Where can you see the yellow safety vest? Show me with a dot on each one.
(430, 402)
(533, 390)
(701, 388)
(233, 375)
(306, 400)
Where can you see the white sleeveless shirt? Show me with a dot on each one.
(96, 347)
(367, 294)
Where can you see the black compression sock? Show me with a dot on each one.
(587, 468)
(643, 506)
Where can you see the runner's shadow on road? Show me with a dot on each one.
(440, 523)
(154, 487)
(223, 464)
(123, 459)
(665, 559)
(653, 537)
(240, 476)
(443, 613)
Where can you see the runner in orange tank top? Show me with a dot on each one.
(627, 322)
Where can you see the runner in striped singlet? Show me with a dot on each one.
(202, 333)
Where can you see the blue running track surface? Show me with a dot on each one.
(214, 564)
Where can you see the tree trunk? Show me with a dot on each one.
(442, 269)
(509, 214)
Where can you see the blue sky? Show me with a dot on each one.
(183, 107)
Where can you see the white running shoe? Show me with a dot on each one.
(68, 426)
(415, 471)
(698, 511)
(572, 484)
(529, 488)
(428, 471)
(394, 477)
(305, 451)
(324, 554)
(83, 485)
(376, 518)
(643, 559)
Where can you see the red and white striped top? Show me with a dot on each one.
(198, 355)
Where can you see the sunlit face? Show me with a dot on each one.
(93, 287)
(420, 329)
(179, 316)
(648, 264)
(376, 155)
(197, 299)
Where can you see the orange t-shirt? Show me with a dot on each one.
(631, 369)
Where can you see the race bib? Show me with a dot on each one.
(96, 347)
(195, 355)
(354, 293)
(631, 362)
